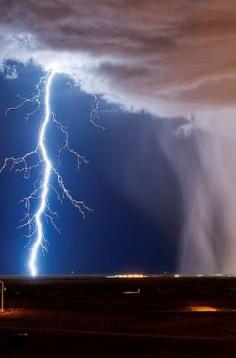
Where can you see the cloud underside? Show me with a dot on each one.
(169, 57)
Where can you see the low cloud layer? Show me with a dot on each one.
(169, 57)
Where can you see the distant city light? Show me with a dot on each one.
(128, 275)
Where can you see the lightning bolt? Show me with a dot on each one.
(46, 178)
(41, 161)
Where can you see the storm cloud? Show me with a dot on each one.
(169, 57)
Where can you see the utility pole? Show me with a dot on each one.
(2, 296)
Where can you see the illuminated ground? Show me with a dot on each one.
(119, 317)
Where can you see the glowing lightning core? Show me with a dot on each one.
(46, 178)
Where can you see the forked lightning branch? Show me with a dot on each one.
(43, 169)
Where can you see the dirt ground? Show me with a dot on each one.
(119, 317)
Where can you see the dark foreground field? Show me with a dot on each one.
(119, 317)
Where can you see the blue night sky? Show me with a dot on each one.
(128, 182)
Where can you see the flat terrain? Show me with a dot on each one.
(77, 316)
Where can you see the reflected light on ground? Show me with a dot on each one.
(203, 309)
(12, 313)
